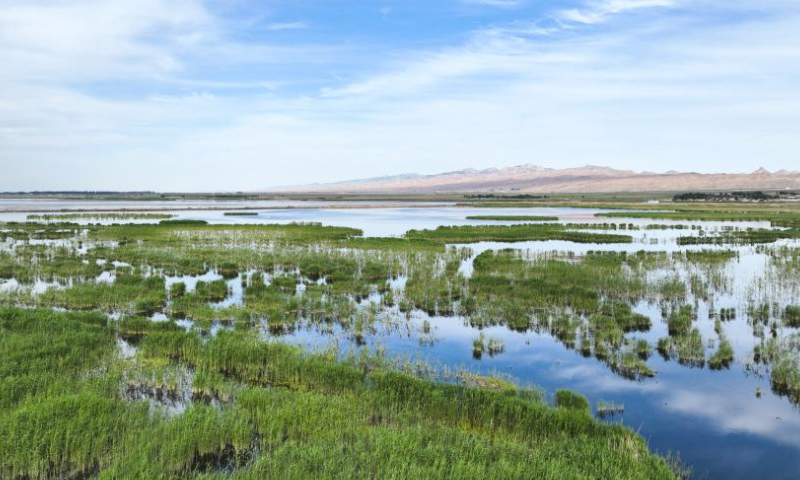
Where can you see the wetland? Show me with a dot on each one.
(491, 341)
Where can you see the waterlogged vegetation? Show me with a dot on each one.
(513, 233)
(66, 217)
(259, 408)
(241, 214)
(776, 218)
(119, 369)
(182, 349)
(514, 218)
(741, 237)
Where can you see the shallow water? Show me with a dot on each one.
(714, 419)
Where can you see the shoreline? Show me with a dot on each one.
(216, 208)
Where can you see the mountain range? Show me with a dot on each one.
(533, 179)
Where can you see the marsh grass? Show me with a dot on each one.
(607, 409)
(258, 407)
(791, 316)
(513, 233)
(61, 217)
(514, 218)
(776, 218)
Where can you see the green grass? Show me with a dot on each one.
(791, 316)
(62, 416)
(512, 233)
(255, 407)
(776, 218)
(514, 218)
(183, 222)
(60, 217)
(741, 237)
(723, 357)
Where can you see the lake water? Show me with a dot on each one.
(726, 424)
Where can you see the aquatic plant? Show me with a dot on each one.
(607, 409)
(723, 357)
(213, 291)
(680, 320)
(177, 290)
(514, 218)
(513, 233)
(61, 217)
(572, 401)
(791, 315)
(247, 406)
(495, 346)
(478, 346)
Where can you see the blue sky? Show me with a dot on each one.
(244, 94)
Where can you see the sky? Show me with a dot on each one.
(241, 95)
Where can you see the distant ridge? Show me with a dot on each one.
(536, 179)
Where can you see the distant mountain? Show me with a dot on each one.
(535, 179)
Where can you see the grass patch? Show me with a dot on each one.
(512, 233)
(514, 218)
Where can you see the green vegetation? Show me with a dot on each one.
(754, 196)
(62, 416)
(116, 367)
(572, 401)
(782, 356)
(61, 217)
(741, 237)
(514, 218)
(214, 291)
(776, 218)
(791, 316)
(102, 391)
(606, 409)
(723, 357)
(184, 222)
(241, 214)
(687, 347)
(512, 233)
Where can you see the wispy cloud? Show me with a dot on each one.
(495, 3)
(599, 11)
(100, 39)
(122, 94)
(286, 26)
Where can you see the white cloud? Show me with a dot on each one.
(770, 417)
(98, 39)
(654, 94)
(286, 26)
(495, 3)
(599, 11)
